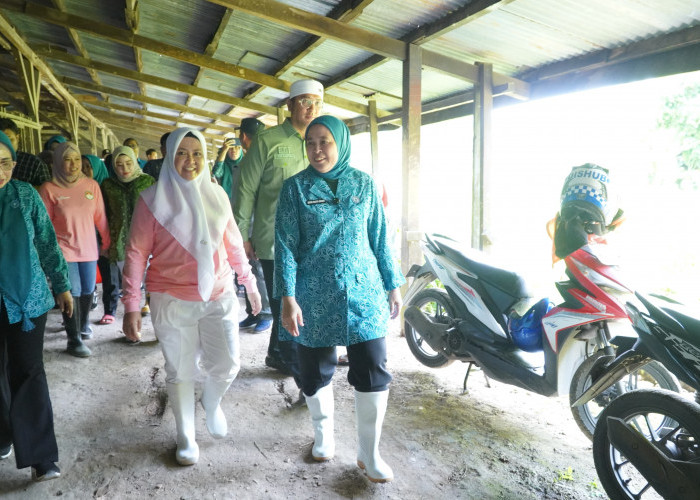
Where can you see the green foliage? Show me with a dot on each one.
(565, 475)
(682, 116)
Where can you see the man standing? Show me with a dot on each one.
(153, 167)
(29, 167)
(261, 322)
(276, 154)
(248, 131)
(131, 142)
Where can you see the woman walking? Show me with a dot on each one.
(29, 253)
(120, 193)
(75, 207)
(184, 222)
(338, 281)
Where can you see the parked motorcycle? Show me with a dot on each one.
(484, 315)
(647, 442)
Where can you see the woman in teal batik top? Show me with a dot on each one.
(29, 253)
(338, 281)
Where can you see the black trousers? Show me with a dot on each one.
(366, 373)
(111, 284)
(285, 351)
(26, 415)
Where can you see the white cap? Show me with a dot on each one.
(307, 86)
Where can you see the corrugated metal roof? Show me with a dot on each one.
(187, 25)
(529, 33)
(515, 36)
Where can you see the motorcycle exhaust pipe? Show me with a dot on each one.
(434, 334)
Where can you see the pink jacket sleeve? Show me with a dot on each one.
(44, 193)
(237, 257)
(138, 249)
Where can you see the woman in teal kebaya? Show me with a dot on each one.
(29, 253)
(338, 281)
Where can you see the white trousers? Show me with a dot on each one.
(194, 335)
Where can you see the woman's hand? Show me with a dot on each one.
(249, 250)
(395, 302)
(65, 303)
(255, 302)
(132, 326)
(292, 318)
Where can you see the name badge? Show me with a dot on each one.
(315, 202)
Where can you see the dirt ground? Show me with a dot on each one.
(115, 433)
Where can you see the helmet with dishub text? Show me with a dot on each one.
(586, 188)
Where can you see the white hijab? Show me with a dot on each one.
(195, 212)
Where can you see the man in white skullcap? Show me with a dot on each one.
(276, 154)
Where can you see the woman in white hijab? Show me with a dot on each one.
(185, 223)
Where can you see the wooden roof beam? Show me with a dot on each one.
(345, 12)
(15, 39)
(155, 80)
(142, 122)
(74, 82)
(126, 37)
(77, 42)
(211, 49)
(88, 101)
(370, 41)
(425, 33)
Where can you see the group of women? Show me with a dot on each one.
(334, 272)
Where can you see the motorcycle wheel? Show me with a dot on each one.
(651, 375)
(437, 306)
(668, 420)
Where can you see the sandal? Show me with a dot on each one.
(107, 319)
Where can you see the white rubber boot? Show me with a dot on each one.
(182, 402)
(321, 406)
(212, 392)
(370, 408)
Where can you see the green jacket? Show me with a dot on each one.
(276, 154)
(120, 199)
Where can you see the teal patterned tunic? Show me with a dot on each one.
(45, 256)
(332, 255)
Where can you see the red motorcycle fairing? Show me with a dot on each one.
(599, 283)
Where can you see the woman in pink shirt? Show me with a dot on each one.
(184, 222)
(75, 207)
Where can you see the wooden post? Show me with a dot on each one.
(103, 132)
(31, 85)
(93, 138)
(280, 114)
(411, 122)
(483, 105)
(73, 122)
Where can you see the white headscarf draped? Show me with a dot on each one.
(194, 211)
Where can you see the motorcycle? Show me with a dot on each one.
(485, 316)
(647, 442)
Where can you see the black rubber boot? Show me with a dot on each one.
(85, 306)
(75, 341)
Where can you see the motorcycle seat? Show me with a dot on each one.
(691, 325)
(508, 282)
